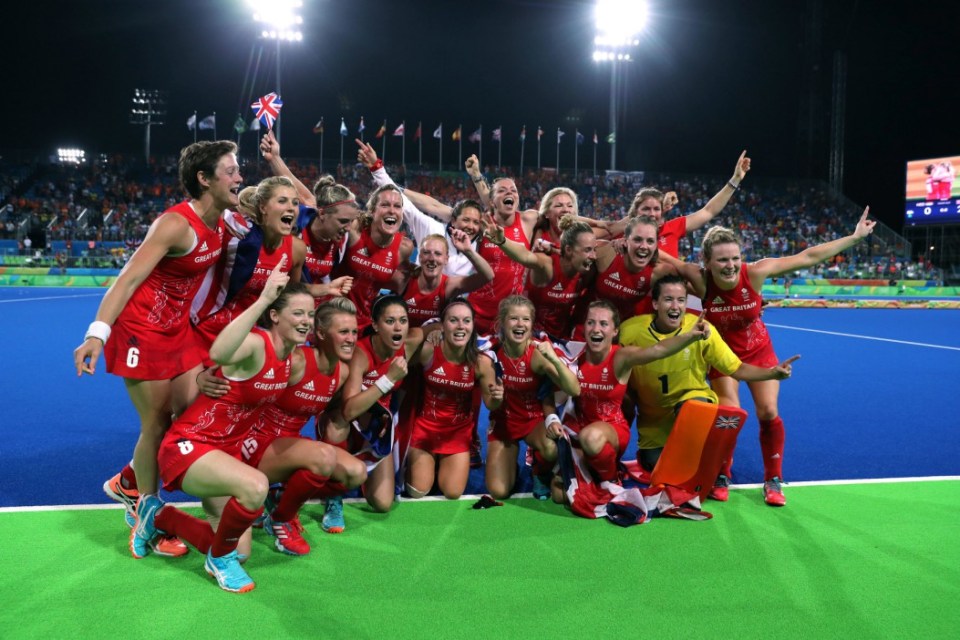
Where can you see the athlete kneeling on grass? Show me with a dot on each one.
(442, 429)
(526, 365)
(201, 453)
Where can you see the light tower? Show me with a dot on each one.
(280, 21)
(149, 109)
(619, 23)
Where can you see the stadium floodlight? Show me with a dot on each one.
(149, 109)
(67, 155)
(281, 22)
(619, 23)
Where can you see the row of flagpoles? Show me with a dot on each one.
(267, 110)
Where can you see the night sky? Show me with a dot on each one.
(710, 78)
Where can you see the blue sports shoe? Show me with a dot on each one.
(333, 516)
(145, 531)
(228, 572)
(541, 489)
(130, 518)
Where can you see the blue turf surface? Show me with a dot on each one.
(855, 408)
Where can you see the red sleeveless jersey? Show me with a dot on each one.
(445, 421)
(521, 410)
(299, 402)
(425, 306)
(736, 315)
(155, 321)
(377, 368)
(371, 266)
(668, 237)
(320, 258)
(601, 396)
(210, 327)
(554, 302)
(508, 277)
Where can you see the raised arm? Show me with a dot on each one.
(546, 362)
(769, 267)
(687, 270)
(472, 165)
(719, 201)
(540, 263)
(457, 285)
(270, 150)
(751, 373)
(629, 357)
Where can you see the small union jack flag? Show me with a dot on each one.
(267, 109)
(725, 422)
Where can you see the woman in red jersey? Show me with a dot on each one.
(376, 249)
(730, 289)
(603, 371)
(367, 430)
(430, 288)
(442, 429)
(149, 309)
(526, 364)
(308, 468)
(201, 453)
(324, 233)
(557, 281)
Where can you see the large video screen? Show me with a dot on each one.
(933, 192)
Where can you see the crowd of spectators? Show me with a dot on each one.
(116, 199)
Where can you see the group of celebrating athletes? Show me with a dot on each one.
(244, 314)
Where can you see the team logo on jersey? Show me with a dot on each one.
(389, 255)
(558, 287)
(363, 252)
(440, 372)
(727, 422)
(579, 374)
(522, 367)
(745, 293)
(717, 300)
(308, 386)
(412, 301)
(465, 372)
(203, 247)
(642, 280)
(615, 276)
(604, 374)
(269, 375)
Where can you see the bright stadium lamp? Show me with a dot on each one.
(73, 156)
(149, 109)
(281, 21)
(619, 23)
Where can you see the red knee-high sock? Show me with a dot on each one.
(301, 486)
(235, 520)
(540, 466)
(128, 478)
(196, 531)
(771, 445)
(604, 463)
(727, 468)
(332, 489)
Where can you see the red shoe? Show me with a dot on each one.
(169, 546)
(773, 493)
(721, 489)
(289, 538)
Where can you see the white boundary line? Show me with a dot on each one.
(79, 295)
(804, 483)
(855, 335)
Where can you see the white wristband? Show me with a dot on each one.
(551, 419)
(385, 384)
(99, 330)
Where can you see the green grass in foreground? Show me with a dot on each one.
(861, 561)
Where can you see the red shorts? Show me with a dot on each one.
(764, 357)
(441, 439)
(178, 453)
(146, 355)
(512, 431)
(255, 444)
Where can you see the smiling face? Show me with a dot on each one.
(670, 306)
(582, 254)
(457, 325)
(279, 212)
(388, 212)
(600, 330)
(641, 243)
(517, 324)
(433, 257)
(724, 264)
(335, 221)
(392, 326)
(293, 323)
(505, 197)
(652, 207)
(339, 340)
(468, 221)
(224, 184)
(561, 205)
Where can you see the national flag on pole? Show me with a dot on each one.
(254, 125)
(382, 130)
(239, 126)
(477, 135)
(579, 137)
(496, 134)
(210, 122)
(362, 126)
(399, 130)
(560, 134)
(343, 128)
(418, 132)
(594, 136)
(612, 137)
(318, 128)
(457, 134)
(523, 134)
(267, 109)
(192, 122)
(539, 133)
(438, 133)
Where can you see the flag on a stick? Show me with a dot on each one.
(267, 109)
